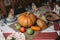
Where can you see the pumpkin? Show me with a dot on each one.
(26, 19)
(36, 28)
(41, 23)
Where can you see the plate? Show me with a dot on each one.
(7, 21)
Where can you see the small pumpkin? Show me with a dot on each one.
(41, 23)
(26, 19)
(36, 28)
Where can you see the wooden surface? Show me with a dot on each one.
(28, 37)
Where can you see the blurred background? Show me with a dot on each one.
(20, 5)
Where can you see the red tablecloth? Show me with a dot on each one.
(46, 36)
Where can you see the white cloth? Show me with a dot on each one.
(6, 29)
(1, 35)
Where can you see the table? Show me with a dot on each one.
(9, 28)
(29, 37)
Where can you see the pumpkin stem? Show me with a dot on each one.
(27, 13)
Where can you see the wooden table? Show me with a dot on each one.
(28, 37)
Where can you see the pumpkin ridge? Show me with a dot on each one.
(25, 21)
(31, 20)
(28, 21)
(20, 20)
(32, 16)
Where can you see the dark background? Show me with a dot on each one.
(17, 11)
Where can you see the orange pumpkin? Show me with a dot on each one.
(26, 19)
